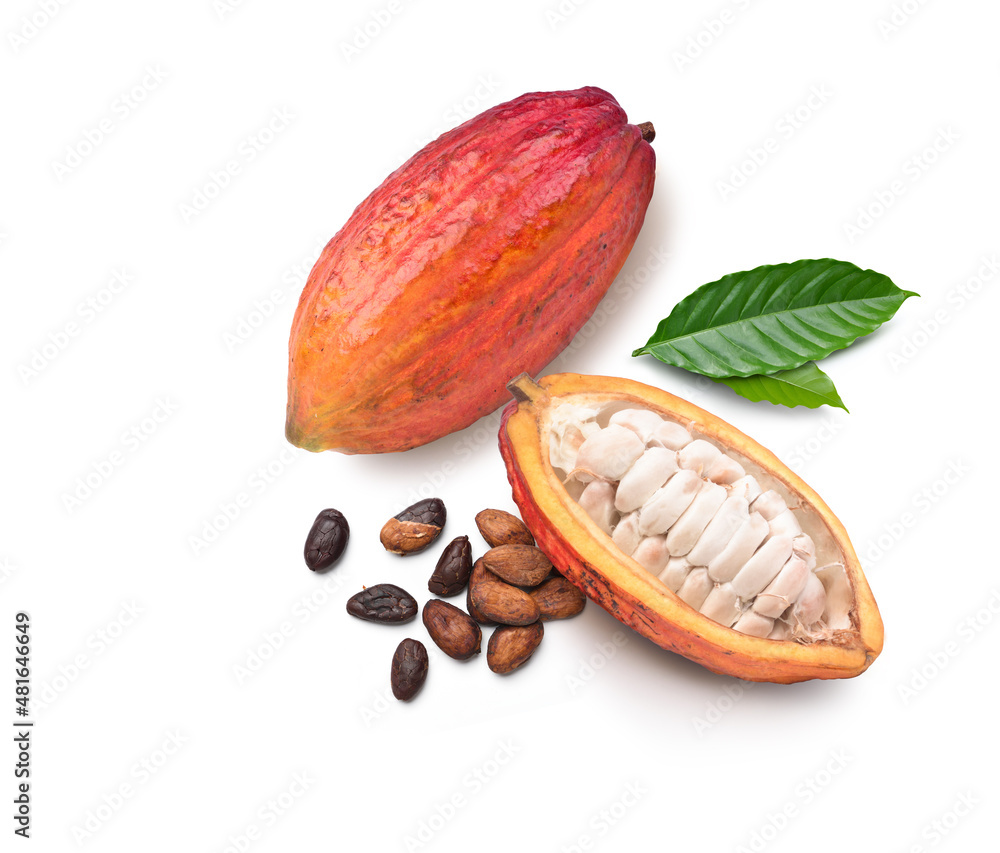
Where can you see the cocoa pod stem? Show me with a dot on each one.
(648, 133)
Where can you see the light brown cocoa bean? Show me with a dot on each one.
(558, 599)
(502, 528)
(500, 601)
(522, 565)
(477, 575)
(453, 630)
(510, 646)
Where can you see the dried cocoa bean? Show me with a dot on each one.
(477, 573)
(409, 669)
(326, 540)
(499, 601)
(414, 528)
(522, 565)
(453, 568)
(510, 646)
(453, 630)
(384, 602)
(502, 528)
(558, 599)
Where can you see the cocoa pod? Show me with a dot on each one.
(501, 528)
(521, 565)
(849, 636)
(476, 577)
(327, 540)
(384, 602)
(415, 528)
(453, 568)
(501, 602)
(409, 669)
(558, 599)
(510, 646)
(482, 256)
(453, 630)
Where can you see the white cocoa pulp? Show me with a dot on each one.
(715, 528)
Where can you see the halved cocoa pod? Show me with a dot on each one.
(510, 646)
(521, 565)
(501, 602)
(833, 630)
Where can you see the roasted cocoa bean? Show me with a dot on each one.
(415, 527)
(499, 601)
(409, 669)
(477, 574)
(453, 568)
(558, 599)
(510, 646)
(327, 540)
(384, 602)
(453, 630)
(502, 528)
(522, 565)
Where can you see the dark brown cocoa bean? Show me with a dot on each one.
(326, 540)
(409, 669)
(521, 565)
(453, 630)
(510, 646)
(502, 528)
(499, 601)
(558, 599)
(384, 602)
(453, 568)
(414, 528)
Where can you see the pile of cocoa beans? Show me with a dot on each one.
(513, 587)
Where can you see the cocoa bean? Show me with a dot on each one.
(510, 646)
(384, 602)
(558, 599)
(414, 528)
(327, 540)
(502, 528)
(409, 669)
(522, 565)
(453, 630)
(477, 573)
(499, 601)
(453, 568)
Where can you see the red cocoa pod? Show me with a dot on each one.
(479, 258)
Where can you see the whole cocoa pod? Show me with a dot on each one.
(479, 258)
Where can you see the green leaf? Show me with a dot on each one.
(774, 318)
(801, 386)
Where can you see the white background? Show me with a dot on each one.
(603, 739)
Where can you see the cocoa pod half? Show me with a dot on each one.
(481, 257)
(695, 620)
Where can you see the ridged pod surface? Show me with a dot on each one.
(584, 554)
(479, 258)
